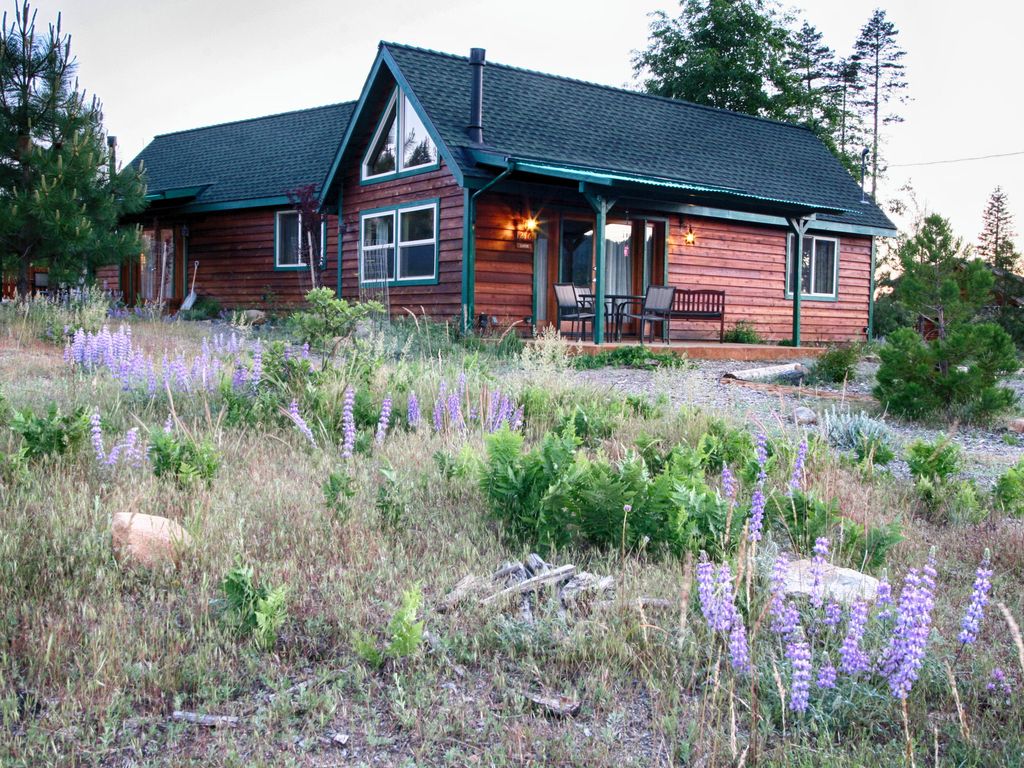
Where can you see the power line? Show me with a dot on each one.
(957, 160)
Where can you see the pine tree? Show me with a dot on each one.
(63, 194)
(846, 87)
(995, 245)
(723, 53)
(882, 79)
(813, 63)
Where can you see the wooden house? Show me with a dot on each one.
(463, 189)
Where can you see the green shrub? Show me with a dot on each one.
(938, 461)
(50, 435)
(956, 376)
(590, 423)
(205, 308)
(934, 467)
(182, 458)
(870, 439)
(723, 444)
(630, 356)
(405, 633)
(743, 332)
(392, 501)
(256, 610)
(1009, 490)
(329, 320)
(837, 365)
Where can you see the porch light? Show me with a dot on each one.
(690, 237)
(525, 230)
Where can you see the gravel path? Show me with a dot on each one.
(989, 452)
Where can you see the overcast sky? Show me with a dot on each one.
(161, 66)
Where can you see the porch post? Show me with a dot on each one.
(799, 228)
(601, 208)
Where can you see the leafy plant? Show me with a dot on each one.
(837, 365)
(590, 423)
(938, 461)
(934, 467)
(632, 356)
(329, 320)
(338, 493)
(205, 308)
(53, 434)
(392, 504)
(870, 439)
(405, 633)
(743, 332)
(182, 458)
(256, 609)
(1009, 490)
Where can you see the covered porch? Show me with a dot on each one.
(612, 238)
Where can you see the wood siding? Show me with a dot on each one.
(442, 301)
(235, 251)
(504, 272)
(748, 262)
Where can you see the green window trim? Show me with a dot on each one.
(278, 266)
(809, 241)
(394, 211)
(397, 102)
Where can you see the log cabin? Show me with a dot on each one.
(466, 190)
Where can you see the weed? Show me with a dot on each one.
(183, 459)
(404, 632)
(256, 610)
(837, 364)
(53, 434)
(630, 356)
(743, 332)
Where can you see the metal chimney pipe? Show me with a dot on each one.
(477, 59)
(863, 174)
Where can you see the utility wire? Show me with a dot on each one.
(957, 160)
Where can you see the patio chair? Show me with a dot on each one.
(572, 309)
(655, 308)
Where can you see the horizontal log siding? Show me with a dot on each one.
(504, 273)
(235, 251)
(748, 262)
(441, 301)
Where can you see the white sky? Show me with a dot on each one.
(161, 66)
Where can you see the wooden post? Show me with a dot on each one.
(601, 208)
(799, 228)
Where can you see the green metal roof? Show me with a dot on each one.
(244, 163)
(561, 122)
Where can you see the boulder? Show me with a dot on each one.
(804, 416)
(147, 539)
(255, 316)
(841, 584)
(1016, 425)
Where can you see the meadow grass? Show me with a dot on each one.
(95, 654)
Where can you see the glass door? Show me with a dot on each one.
(576, 256)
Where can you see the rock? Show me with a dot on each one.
(147, 539)
(804, 416)
(841, 584)
(255, 316)
(1017, 425)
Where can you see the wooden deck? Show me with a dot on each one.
(711, 350)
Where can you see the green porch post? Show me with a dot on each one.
(799, 227)
(601, 209)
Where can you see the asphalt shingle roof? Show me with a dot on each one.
(532, 115)
(248, 159)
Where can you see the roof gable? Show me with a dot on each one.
(248, 161)
(558, 120)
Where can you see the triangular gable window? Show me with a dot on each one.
(418, 150)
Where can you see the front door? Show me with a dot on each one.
(158, 274)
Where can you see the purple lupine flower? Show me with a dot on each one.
(905, 654)
(305, 351)
(257, 363)
(728, 486)
(240, 377)
(516, 422)
(348, 423)
(296, 417)
(853, 659)
(833, 614)
(96, 431)
(712, 584)
(796, 479)
(455, 419)
(385, 420)
(169, 424)
(413, 411)
(821, 548)
(883, 597)
(785, 616)
(975, 613)
(1000, 682)
(758, 500)
(439, 407)
(799, 655)
(739, 651)
(826, 675)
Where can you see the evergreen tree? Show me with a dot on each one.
(731, 54)
(813, 63)
(62, 192)
(882, 79)
(846, 87)
(996, 242)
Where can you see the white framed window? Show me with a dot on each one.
(399, 245)
(820, 270)
(288, 251)
(401, 142)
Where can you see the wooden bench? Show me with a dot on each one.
(700, 305)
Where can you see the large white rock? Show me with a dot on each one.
(147, 539)
(804, 416)
(841, 584)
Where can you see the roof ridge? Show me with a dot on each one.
(605, 86)
(252, 119)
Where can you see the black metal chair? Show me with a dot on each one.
(656, 308)
(572, 309)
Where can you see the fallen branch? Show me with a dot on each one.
(529, 585)
(784, 389)
(210, 721)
